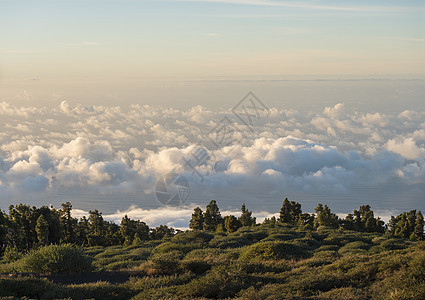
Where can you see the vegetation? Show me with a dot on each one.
(294, 256)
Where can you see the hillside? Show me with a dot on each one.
(267, 261)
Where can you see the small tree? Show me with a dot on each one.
(212, 216)
(246, 218)
(42, 229)
(231, 223)
(324, 217)
(418, 233)
(197, 221)
(290, 212)
(68, 223)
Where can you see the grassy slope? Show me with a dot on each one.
(253, 263)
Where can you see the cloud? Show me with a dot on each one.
(123, 151)
(406, 148)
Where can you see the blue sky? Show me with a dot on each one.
(116, 39)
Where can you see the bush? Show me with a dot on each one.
(55, 259)
(97, 290)
(196, 266)
(20, 287)
(220, 282)
(224, 242)
(393, 244)
(166, 263)
(327, 248)
(194, 236)
(271, 250)
(183, 248)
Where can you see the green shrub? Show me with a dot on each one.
(196, 266)
(271, 250)
(55, 259)
(327, 248)
(224, 242)
(183, 248)
(194, 236)
(220, 282)
(98, 290)
(166, 263)
(393, 244)
(28, 287)
(357, 245)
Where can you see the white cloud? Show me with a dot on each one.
(114, 150)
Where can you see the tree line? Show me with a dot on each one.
(26, 227)
(406, 225)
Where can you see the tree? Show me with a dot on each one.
(418, 232)
(160, 232)
(324, 217)
(68, 223)
(289, 212)
(231, 223)
(305, 221)
(246, 218)
(42, 229)
(83, 230)
(130, 228)
(96, 226)
(212, 216)
(197, 221)
(23, 219)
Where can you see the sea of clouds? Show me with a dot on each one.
(117, 154)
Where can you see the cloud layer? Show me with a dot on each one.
(50, 153)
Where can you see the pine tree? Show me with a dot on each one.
(68, 223)
(290, 212)
(136, 240)
(245, 218)
(324, 217)
(42, 229)
(212, 216)
(96, 234)
(285, 212)
(197, 221)
(419, 227)
(231, 223)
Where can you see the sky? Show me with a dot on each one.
(114, 39)
(100, 99)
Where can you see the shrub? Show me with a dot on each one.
(224, 242)
(271, 250)
(196, 266)
(393, 244)
(194, 236)
(20, 287)
(327, 248)
(55, 259)
(97, 290)
(183, 248)
(166, 263)
(220, 282)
